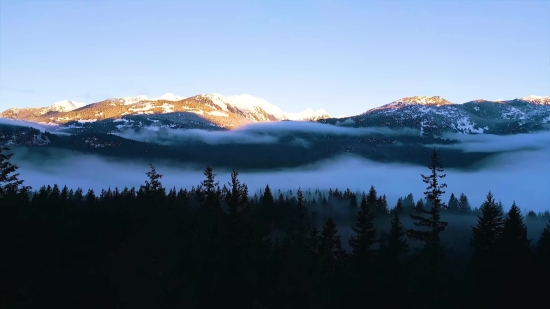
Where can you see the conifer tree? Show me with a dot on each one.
(330, 247)
(433, 222)
(464, 204)
(152, 186)
(209, 189)
(9, 179)
(398, 207)
(298, 225)
(353, 202)
(408, 202)
(267, 197)
(419, 207)
(382, 206)
(543, 245)
(362, 244)
(313, 241)
(513, 239)
(372, 199)
(393, 270)
(488, 230)
(397, 245)
(237, 196)
(453, 203)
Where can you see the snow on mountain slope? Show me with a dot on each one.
(308, 114)
(418, 100)
(245, 103)
(428, 114)
(434, 115)
(65, 106)
(169, 97)
(132, 100)
(533, 99)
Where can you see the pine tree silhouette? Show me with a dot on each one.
(398, 207)
(488, 230)
(9, 179)
(330, 247)
(362, 244)
(515, 257)
(484, 242)
(543, 245)
(237, 197)
(453, 204)
(464, 204)
(372, 199)
(393, 271)
(433, 222)
(397, 245)
(153, 186)
(432, 255)
(419, 206)
(513, 239)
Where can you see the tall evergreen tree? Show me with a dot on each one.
(267, 197)
(453, 203)
(484, 242)
(153, 186)
(398, 207)
(9, 179)
(397, 245)
(393, 271)
(238, 195)
(372, 199)
(513, 239)
(419, 206)
(543, 245)
(408, 202)
(210, 191)
(330, 247)
(464, 204)
(353, 202)
(488, 230)
(362, 244)
(433, 222)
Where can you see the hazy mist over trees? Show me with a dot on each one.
(218, 243)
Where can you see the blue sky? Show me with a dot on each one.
(343, 56)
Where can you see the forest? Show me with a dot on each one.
(219, 245)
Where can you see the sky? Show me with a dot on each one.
(343, 56)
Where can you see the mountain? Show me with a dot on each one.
(200, 112)
(432, 116)
(89, 129)
(435, 115)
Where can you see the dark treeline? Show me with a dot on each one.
(217, 245)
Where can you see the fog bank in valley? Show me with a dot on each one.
(521, 176)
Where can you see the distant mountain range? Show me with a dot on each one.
(435, 115)
(139, 128)
(431, 115)
(217, 110)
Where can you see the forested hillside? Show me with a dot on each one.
(218, 245)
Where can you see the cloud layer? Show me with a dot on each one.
(520, 176)
(258, 133)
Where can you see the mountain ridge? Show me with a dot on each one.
(431, 115)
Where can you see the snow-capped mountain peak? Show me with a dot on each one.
(169, 97)
(308, 114)
(536, 100)
(64, 106)
(244, 102)
(132, 100)
(422, 100)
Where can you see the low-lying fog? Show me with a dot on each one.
(520, 173)
(523, 176)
